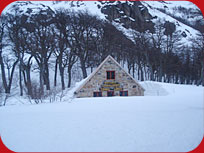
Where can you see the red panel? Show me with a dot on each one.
(110, 75)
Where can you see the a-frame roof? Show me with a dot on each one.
(98, 68)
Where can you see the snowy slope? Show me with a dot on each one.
(25, 7)
(169, 122)
(168, 6)
(91, 6)
(94, 7)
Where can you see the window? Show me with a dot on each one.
(97, 94)
(123, 93)
(110, 75)
(110, 93)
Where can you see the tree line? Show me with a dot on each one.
(64, 38)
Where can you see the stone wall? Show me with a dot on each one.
(122, 81)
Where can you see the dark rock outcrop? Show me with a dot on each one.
(131, 14)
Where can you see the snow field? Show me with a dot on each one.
(169, 122)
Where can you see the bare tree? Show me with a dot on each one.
(41, 43)
(84, 30)
(7, 82)
(64, 46)
(198, 51)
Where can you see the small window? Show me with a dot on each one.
(110, 93)
(123, 93)
(134, 86)
(97, 94)
(110, 75)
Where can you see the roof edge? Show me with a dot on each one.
(93, 73)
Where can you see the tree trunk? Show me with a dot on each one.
(47, 76)
(160, 70)
(150, 67)
(20, 80)
(55, 77)
(176, 79)
(20, 74)
(62, 77)
(24, 78)
(3, 74)
(83, 68)
(27, 78)
(41, 80)
(129, 67)
(29, 84)
(202, 74)
(145, 72)
(11, 78)
(142, 74)
(151, 73)
(133, 70)
(69, 76)
(61, 69)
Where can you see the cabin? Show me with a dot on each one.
(108, 80)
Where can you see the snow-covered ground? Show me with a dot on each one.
(168, 118)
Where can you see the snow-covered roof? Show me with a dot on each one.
(98, 68)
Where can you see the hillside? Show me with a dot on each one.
(130, 15)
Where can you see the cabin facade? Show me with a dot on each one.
(109, 79)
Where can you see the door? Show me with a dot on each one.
(110, 93)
